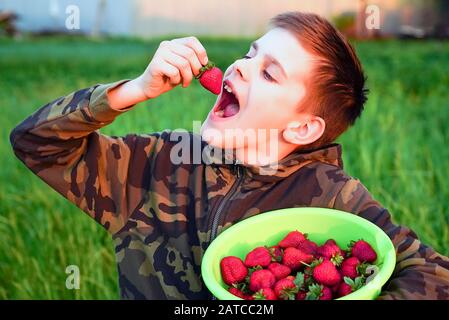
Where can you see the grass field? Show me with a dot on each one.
(398, 149)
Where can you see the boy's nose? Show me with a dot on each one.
(240, 69)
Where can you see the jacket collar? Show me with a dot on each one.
(330, 154)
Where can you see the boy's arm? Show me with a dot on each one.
(102, 175)
(420, 273)
(106, 177)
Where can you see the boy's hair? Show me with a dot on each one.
(336, 87)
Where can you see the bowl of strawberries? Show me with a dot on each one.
(299, 254)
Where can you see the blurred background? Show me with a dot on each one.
(402, 18)
(49, 48)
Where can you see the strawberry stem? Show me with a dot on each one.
(203, 69)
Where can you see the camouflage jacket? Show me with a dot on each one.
(162, 216)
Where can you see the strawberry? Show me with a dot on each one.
(294, 258)
(327, 294)
(276, 253)
(349, 285)
(236, 292)
(280, 271)
(363, 251)
(265, 294)
(288, 287)
(246, 282)
(326, 273)
(233, 270)
(292, 239)
(349, 267)
(319, 292)
(308, 246)
(344, 289)
(260, 279)
(259, 256)
(301, 295)
(330, 250)
(211, 78)
(285, 289)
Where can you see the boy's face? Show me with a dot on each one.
(268, 93)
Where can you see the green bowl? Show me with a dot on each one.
(319, 223)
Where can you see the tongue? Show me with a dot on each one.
(230, 110)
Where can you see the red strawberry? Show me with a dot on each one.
(328, 249)
(211, 78)
(276, 253)
(301, 295)
(363, 251)
(308, 246)
(232, 270)
(326, 273)
(288, 287)
(236, 292)
(331, 251)
(280, 271)
(327, 294)
(285, 289)
(294, 258)
(319, 292)
(349, 267)
(265, 294)
(292, 239)
(344, 289)
(349, 285)
(259, 256)
(260, 279)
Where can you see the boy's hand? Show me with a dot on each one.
(176, 61)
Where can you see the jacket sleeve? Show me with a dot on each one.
(102, 175)
(420, 273)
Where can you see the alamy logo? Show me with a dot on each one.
(72, 22)
(372, 20)
(73, 279)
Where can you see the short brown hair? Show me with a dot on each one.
(336, 86)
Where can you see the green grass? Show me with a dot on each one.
(398, 149)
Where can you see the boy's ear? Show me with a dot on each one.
(304, 132)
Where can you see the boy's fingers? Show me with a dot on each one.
(188, 54)
(196, 45)
(183, 66)
(170, 71)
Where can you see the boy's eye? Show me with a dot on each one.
(268, 76)
(265, 73)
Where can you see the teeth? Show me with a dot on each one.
(227, 88)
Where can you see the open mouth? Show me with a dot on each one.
(228, 105)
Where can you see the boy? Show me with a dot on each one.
(302, 79)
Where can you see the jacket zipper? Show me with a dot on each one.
(225, 200)
(223, 203)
